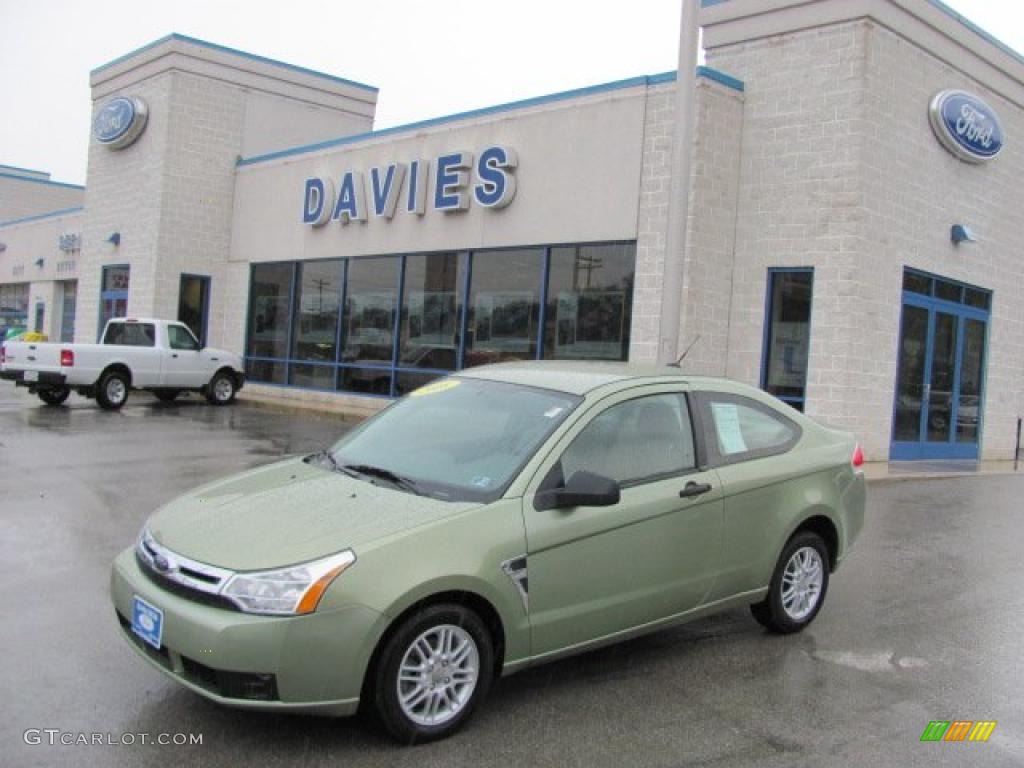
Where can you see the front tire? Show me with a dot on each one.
(798, 585)
(54, 396)
(432, 673)
(112, 391)
(221, 389)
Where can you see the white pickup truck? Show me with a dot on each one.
(161, 356)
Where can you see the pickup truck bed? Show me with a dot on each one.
(161, 356)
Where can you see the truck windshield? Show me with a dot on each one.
(456, 439)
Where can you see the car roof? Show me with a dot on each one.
(578, 377)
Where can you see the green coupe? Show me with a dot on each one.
(499, 518)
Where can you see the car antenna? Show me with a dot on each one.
(678, 363)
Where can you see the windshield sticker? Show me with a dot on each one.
(551, 413)
(433, 389)
(482, 481)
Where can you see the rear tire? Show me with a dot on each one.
(54, 396)
(167, 395)
(222, 388)
(112, 391)
(432, 673)
(798, 585)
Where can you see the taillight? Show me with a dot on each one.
(3, 354)
(857, 460)
(67, 358)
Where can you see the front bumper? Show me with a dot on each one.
(313, 663)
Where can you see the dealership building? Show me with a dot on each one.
(852, 242)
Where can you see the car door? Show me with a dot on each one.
(748, 443)
(184, 365)
(597, 571)
(134, 343)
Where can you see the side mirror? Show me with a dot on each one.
(584, 489)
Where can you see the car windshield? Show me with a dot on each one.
(455, 439)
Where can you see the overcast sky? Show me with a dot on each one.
(428, 57)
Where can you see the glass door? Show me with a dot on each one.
(194, 304)
(940, 371)
(113, 294)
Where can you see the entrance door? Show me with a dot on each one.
(194, 304)
(113, 294)
(940, 379)
(67, 316)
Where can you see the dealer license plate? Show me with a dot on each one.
(147, 622)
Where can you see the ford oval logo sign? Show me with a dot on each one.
(966, 126)
(120, 121)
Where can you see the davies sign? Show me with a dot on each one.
(966, 126)
(448, 183)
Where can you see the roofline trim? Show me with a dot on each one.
(176, 37)
(950, 12)
(23, 170)
(632, 82)
(38, 216)
(40, 181)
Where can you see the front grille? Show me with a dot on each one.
(176, 588)
(182, 576)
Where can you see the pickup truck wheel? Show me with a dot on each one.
(222, 389)
(112, 391)
(54, 396)
(167, 395)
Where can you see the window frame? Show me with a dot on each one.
(181, 327)
(798, 402)
(587, 417)
(716, 458)
(395, 366)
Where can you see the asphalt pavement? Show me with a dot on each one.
(923, 622)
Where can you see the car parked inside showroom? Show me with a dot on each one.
(490, 521)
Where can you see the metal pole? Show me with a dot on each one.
(679, 195)
(1016, 451)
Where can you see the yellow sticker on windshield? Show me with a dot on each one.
(433, 389)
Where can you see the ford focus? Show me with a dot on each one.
(490, 521)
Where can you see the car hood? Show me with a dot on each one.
(286, 513)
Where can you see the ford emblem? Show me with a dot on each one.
(966, 126)
(120, 121)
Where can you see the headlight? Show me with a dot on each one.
(294, 590)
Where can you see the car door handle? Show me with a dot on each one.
(175, 354)
(694, 489)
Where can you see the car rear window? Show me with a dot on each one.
(738, 428)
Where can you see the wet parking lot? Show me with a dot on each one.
(924, 622)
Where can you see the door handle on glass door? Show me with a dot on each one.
(694, 489)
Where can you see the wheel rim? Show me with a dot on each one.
(802, 580)
(116, 390)
(223, 388)
(438, 675)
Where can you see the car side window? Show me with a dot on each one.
(179, 338)
(639, 439)
(740, 428)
